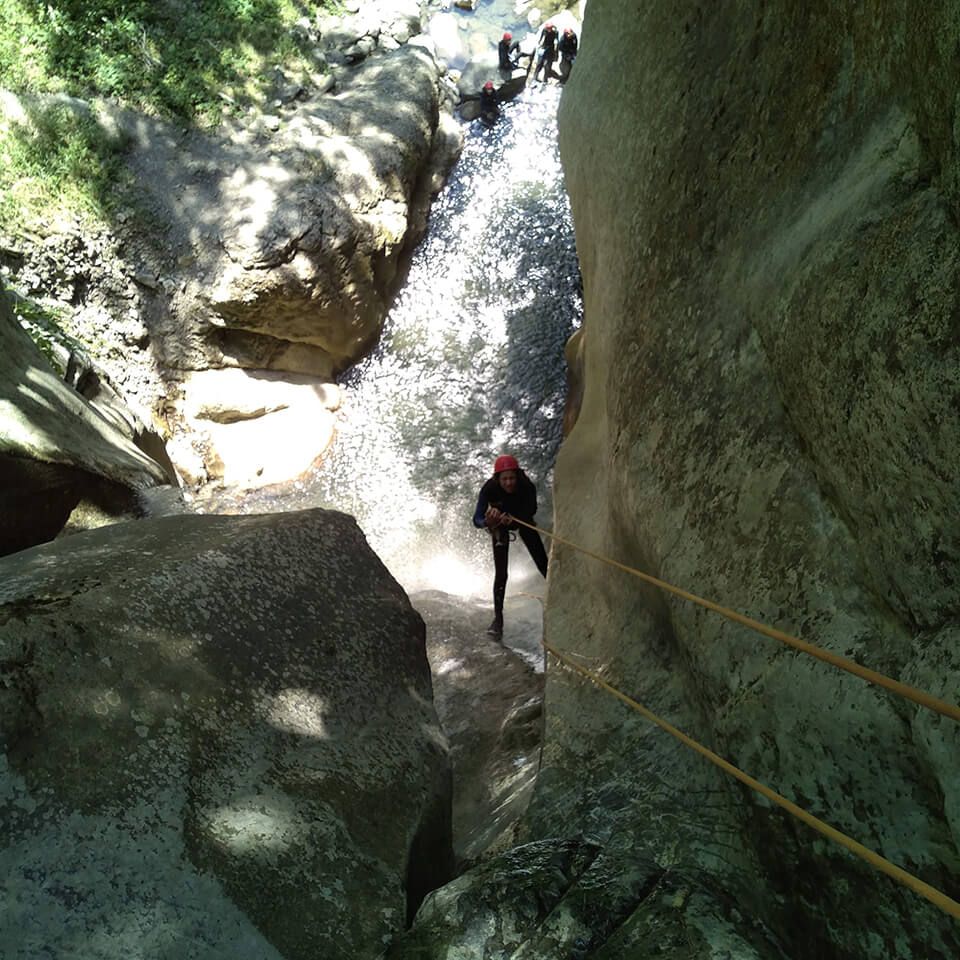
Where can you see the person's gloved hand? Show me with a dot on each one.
(493, 517)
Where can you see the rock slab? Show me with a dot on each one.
(218, 741)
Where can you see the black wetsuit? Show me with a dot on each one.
(568, 53)
(505, 49)
(548, 53)
(522, 504)
(489, 105)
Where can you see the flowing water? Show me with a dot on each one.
(470, 364)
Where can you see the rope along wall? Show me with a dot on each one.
(935, 896)
(932, 894)
(920, 697)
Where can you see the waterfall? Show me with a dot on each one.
(470, 363)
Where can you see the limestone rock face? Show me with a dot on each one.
(56, 449)
(218, 741)
(567, 898)
(767, 229)
(288, 241)
(313, 253)
(259, 427)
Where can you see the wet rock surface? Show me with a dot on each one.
(572, 899)
(218, 741)
(489, 698)
(766, 357)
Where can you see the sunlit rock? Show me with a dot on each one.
(313, 241)
(57, 450)
(258, 427)
(219, 741)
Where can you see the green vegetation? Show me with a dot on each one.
(44, 327)
(60, 159)
(173, 57)
(188, 60)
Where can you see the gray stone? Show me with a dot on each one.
(56, 448)
(489, 700)
(768, 358)
(360, 50)
(218, 741)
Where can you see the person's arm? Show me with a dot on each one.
(480, 514)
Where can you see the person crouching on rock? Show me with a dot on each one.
(489, 103)
(508, 50)
(508, 494)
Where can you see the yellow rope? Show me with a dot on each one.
(920, 697)
(936, 897)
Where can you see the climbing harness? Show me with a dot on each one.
(924, 699)
(920, 697)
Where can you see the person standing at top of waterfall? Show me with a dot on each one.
(568, 53)
(509, 51)
(548, 53)
(509, 495)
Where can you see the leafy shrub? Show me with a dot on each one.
(44, 327)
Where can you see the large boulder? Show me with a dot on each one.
(57, 451)
(275, 242)
(286, 239)
(258, 427)
(769, 245)
(219, 741)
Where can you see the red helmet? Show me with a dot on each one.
(567, 32)
(488, 85)
(508, 36)
(549, 26)
(505, 462)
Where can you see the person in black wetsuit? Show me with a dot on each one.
(507, 494)
(548, 53)
(507, 49)
(489, 104)
(568, 53)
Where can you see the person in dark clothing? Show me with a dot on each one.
(489, 104)
(568, 53)
(508, 494)
(508, 50)
(548, 53)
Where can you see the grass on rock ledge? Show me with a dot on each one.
(173, 57)
(188, 60)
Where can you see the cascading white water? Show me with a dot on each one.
(470, 363)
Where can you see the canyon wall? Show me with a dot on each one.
(766, 201)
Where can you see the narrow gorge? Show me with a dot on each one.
(706, 290)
